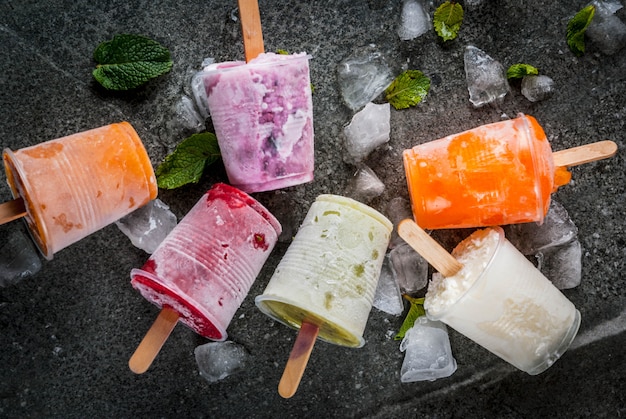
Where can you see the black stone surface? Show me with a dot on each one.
(66, 334)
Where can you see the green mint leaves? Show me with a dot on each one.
(576, 28)
(518, 71)
(408, 89)
(129, 61)
(188, 161)
(447, 20)
(416, 310)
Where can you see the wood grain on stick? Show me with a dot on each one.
(152, 342)
(298, 358)
(585, 153)
(426, 246)
(12, 210)
(251, 28)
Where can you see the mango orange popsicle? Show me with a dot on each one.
(495, 174)
(76, 185)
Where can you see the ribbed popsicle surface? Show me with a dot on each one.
(207, 264)
(329, 274)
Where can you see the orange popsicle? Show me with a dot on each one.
(75, 185)
(495, 174)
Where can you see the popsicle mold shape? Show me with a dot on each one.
(329, 273)
(262, 112)
(495, 174)
(205, 267)
(76, 185)
(502, 302)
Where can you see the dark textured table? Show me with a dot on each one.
(67, 332)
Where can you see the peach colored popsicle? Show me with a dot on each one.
(75, 185)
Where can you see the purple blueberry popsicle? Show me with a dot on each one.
(262, 112)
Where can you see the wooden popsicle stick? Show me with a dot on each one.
(430, 250)
(298, 358)
(153, 341)
(585, 153)
(251, 28)
(12, 210)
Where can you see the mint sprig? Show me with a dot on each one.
(408, 89)
(448, 19)
(576, 28)
(518, 71)
(129, 61)
(188, 161)
(416, 310)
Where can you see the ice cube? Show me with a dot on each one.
(363, 76)
(218, 360)
(557, 229)
(146, 227)
(606, 30)
(200, 97)
(414, 20)
(562, 264)
(428, 355)
(368, 129)
(188, 115)
(365, 185)
(486, 78)
(18, 257)
(536, 88)
(397, 210)
(387, 297)
(409, 267)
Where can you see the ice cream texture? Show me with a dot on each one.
(495, 174)
(502, 302)
(75, 185)
(262, 112)
(329, 273)
(205, 267)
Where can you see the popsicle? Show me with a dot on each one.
(495, 174)
(488, 291)
(325, 283)
(204, 268)
(262, 112)
(70, 187)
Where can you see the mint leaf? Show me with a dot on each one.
(129, 61)
(416, 310)
(188, 161)
(408, 89)
(447, 20)
(518, 71)
(576, 28)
